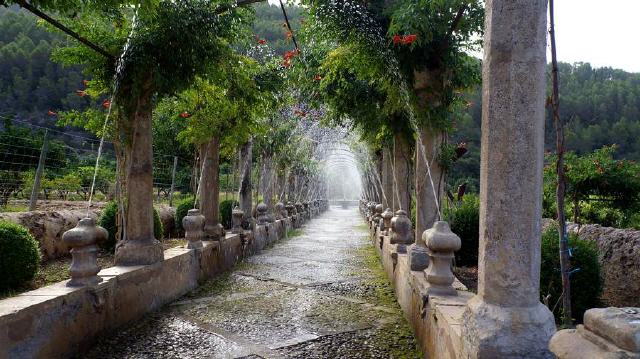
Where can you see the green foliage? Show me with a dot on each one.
(225, 212)
(19, 256)
(599, 189)
(464, 218)
(181, 210)
(586, 284)
(108, 220)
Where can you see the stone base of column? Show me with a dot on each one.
(214, 232)
(490, 331)
(418, 258)
(137, 252)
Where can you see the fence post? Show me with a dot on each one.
(173, 180)
(37, 179)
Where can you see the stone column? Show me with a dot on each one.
(506, 319)
(387, 177)
(245, 184)
(209, 188)
(139, 246)
(402, 174)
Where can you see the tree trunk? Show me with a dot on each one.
(245, 184)
(402, 178)
(139, 245)
(210, 188)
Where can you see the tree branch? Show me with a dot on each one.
(240, 3)
(456, 20)
(65, 29)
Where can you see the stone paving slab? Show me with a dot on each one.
(317, 295)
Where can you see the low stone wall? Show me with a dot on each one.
(436, 320)
(619, 255)
(58, 321)
(48, 226)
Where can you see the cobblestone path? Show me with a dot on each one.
(319, 294)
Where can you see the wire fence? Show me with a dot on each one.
(38, 163)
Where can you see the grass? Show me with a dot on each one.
(294, 233)
(14, 208)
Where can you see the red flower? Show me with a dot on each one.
(317, 78)
(185, 115)
(409, 39)
(262, 41)
(286, 63)
(289, 35)
(106, 104)
(81, 93)
(397, 39)
(461, 149)
(85, 82)
(299, 113)
(51, 113)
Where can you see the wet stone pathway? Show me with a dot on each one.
(319, 294)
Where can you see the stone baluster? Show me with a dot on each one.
(441, 243)
(83, 240)
(401, 231)
(606, 333)
(261, 214)
(385, 225)
(236, 218)
(279, 209)
(193, 224)
(506, 319)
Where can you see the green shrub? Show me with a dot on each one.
(225, 212)
(465, 222)
(181, 210)
(586, 284)
(19, 256)
(108, 221)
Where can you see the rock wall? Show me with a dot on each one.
(619, 254)
(48, 226)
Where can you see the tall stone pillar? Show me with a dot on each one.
(387, 177)
(245, 184)
(506, 319)
(402, 174)
(210, 188)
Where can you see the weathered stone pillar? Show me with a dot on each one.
(245, 184)
(387, 177)
(209, 188)
(506, 319)
(402, 174)
(139, 246)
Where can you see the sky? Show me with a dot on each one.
(603, 33)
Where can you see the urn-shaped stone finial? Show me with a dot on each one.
(299, 208)
(261, 213)
(281, 211)
(193, 224)
(372, 210)
(236, 219)
(386, 221)
(83, 240)
(401, 231)
(291, 209)
(441, 243)
(377, 216)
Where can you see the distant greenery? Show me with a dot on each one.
(600, 189)
(601, 106)
(269, 25)
(29, 81)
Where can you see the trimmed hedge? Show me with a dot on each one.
(465, 222)
(19, 256)
(108, 221)
(181, 210)
(586, 284)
